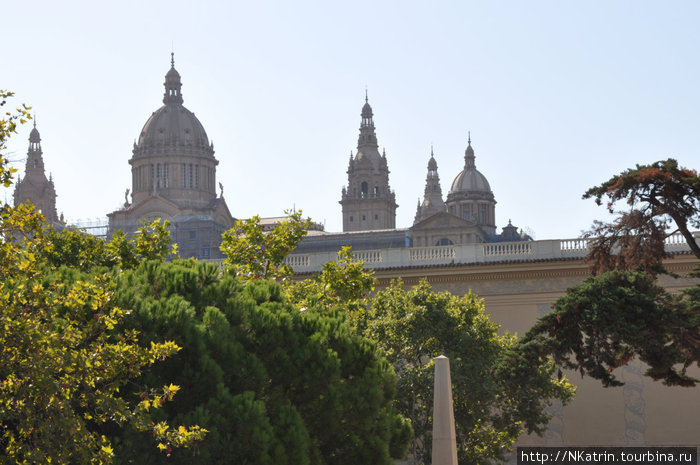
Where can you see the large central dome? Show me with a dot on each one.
(173, 125)
(173, 129)
(173, 157)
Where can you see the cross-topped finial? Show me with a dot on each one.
(469, 137)
(34, 120)
(366, 100)
(431, 149)
(172, 59)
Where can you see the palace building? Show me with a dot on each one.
(454, 243)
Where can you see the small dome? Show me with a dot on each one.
(172, 73)
(34, 135)
(470, 179)
(432, 164)
(366, 110)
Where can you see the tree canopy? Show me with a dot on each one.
(272, 384)
(617, 316)
(64, 364)
(254, 253)
(621, 313)
(662, 199)
(8, 126)
(64, 361)
(500, 388)
(498, 391)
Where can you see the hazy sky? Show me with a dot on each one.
(558, 96)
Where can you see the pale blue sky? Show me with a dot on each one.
(557, 95)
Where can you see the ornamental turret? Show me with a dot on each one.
(432, 197)
(173, 85)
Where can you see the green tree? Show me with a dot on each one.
(342, 283)
(63, 364)
(8, 126)
(255, 253)
(617, 316)
(501, 389)
(663, 199)
(272, 384)
(621, 313)
(498, 391)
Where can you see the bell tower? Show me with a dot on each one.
(368, 202)
(35, 187)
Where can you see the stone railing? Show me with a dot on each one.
(298, 261)
(369, 256)
(574, 245)
(422, 254)
(508, 248)
(677, 241)
(464, 254)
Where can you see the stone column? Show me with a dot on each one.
(444, 436)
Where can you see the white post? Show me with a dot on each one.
(444, 436)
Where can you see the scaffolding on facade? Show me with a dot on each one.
(96, 226)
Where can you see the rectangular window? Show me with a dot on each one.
(158, 174)
(196, 176)
(153, 175)
(183, 176)
(166, 175)
(190, 176)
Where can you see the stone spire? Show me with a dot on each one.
(173, 85)
(432, 198)
(444, 434)
(35, 187)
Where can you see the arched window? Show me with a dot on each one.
(365, 189)
(375, 192)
